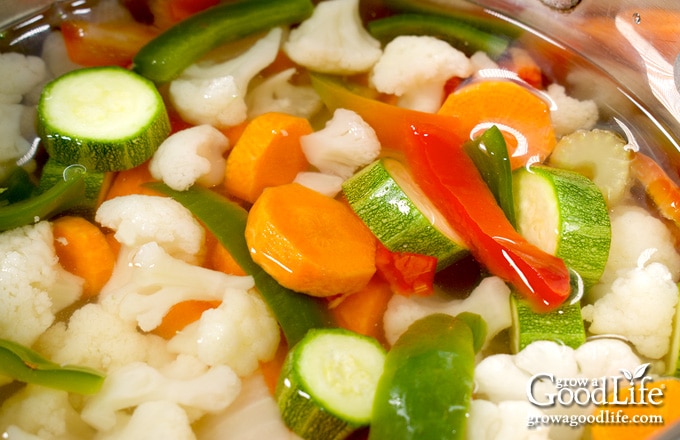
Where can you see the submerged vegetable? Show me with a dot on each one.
(25, 365)
(164, 57)
(295, 312)
(412, 405)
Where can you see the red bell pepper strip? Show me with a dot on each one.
(407, 273)
(451, 181)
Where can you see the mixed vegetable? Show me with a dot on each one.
(285, 219)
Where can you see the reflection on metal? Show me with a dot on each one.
(659, 71)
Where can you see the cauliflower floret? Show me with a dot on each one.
(640, 306)
(193, 155)
(504, 421)
(326, 184)
(56, 56)
(20, 74)
(491, 300)
(139, 219)
(159, 419)
(570, 114)
(12, 144)
(138, 383)
(416, 68)
(215, 94)
(147, 282)
(333, 40)
(33, 286)
(628, 244)
(345, 144)
(241, 332)
(97, 338)
(278, 94)
(44, 412)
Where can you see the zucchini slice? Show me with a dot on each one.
(104, 118)
(385, 197)
(328, 383)
(564, 214)
(600, 155)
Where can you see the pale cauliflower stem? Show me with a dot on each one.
(215, 94)
(569, 114)
(42, 413)
(137, 383)
(193, 155)
(344, 145)
(640, 307)
(139, 219)
(490, 299)
(241, 333)
(21, 75)
(33, 286)
(416, 68)
(503, 380)
(277, 94)
(147, 282)
(333, 40)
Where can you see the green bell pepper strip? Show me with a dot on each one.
(25, 365)
(428, 380)
(295, 312)
(459, 34)
(167, 55)
(489, 152)
(433, 152)
(61, 197)
(17, 186)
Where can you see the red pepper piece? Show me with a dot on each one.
(407, 273)
(450, 179)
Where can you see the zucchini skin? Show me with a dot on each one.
(427, 384)
(166, 56)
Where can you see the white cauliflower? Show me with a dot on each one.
(345, 144)
(155, 419)
(215, 94)
(20, 74)
(43, 412)
(139, 219)
(326, 184)
(628, 244)
(147, 282)
(96, 337)
(241, 333)
(570, 114)
(491, 300)
(333, 40)
(640, 307)
(193, 155)
(55, 55)
(505, 420)
(33, 286)
(138, 383)
(277, 94)
(505, 379)
(416, 68)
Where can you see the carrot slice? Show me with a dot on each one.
(522, 116)
(132, 182)
(167, 13)
(362, 312)
(83, 250)
(268, 153)
(182, 314)
(641, 420)
(309, 242)
(660, 188)
(271, 370)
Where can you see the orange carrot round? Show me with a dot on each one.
(522, 116)
(268, 153)
(83, 250)
(182, 314)
(218, 257)
(309, 242)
